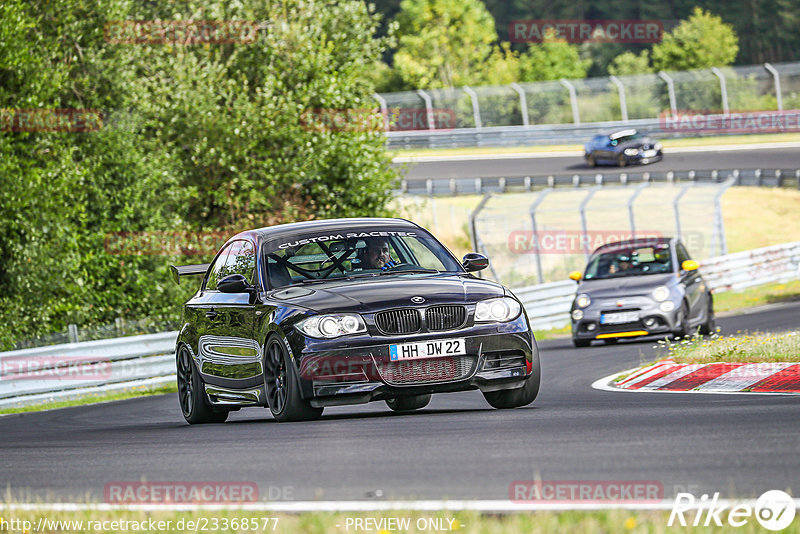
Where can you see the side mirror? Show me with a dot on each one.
(689, 265)
(234, 283)
(474, 262)
(575, 275)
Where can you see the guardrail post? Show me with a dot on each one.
(476, 110)
(676, 209)
(631, 202)
(384, 110)
(777, 77)
(428, 108)
(429, 186)
(671, 90)
(523, 102)
(573, 97)
(723, 88)
(797, 177)
(584, 227)
(623, 105)
(72, 333)
(535, 236)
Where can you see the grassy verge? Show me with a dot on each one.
(93, 398)
(757, 296)
(340, 523)
(668, 143)
(748, 348)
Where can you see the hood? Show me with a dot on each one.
(626, 286)
(636, 143)
(389, 291)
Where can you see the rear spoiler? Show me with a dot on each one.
(187, 270)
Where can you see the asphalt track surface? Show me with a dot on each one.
(457, 447)
(741, 158)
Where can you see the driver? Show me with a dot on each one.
(376, 255)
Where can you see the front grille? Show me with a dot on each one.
(398, 321)
(504, 359)
(439, 318)
(427, 371)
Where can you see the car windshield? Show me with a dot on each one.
(630, 261)
(342, 255)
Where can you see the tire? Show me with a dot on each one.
(622, 161)
(580, 343)
(682, 330)
(195, 406)
(590, 162)
(514, 398)
(710, 326)
(283, 386)
(407, 404)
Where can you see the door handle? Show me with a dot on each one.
(212, 313)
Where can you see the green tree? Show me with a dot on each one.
(630, 63)
(447, 43)
(551, 60)
(701, 41)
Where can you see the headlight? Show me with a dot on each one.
(330, 326)
(631, 151)
(660, 294)
(499, 310)
(657, 146)
(667, 306)
(577, 315)
(583, 300)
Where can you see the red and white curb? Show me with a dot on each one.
(718, 377)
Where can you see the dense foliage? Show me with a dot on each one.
(181, 137)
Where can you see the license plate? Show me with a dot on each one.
(427, 349)
(619, 318)
(649, 153)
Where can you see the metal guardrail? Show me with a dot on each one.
(94, 365)
(479, 185)
(87, 364)
(548, 305)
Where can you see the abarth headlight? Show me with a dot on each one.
(660, 294)
(657, 146)
(631, 151)
(331, 326)
(497, 310)
(583, 301)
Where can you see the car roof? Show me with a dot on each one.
(622, 133)
(324, 225)
(629, 243)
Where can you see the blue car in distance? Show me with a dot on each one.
(621, 148)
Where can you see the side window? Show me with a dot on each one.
(217, 270)
(241, 260)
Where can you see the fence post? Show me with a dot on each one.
(72, 333)
(535, 236)
(384, 110)
(623, 105)
(676, 209)
(573, 97)
(523, 102)
(631, 201)
(428, 108)
(472, 216)
(777, 77)
(476, 110)
(671, 90)
(723, 88)
(723, 243)
(584, 227)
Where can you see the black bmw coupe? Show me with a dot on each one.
(301, 316)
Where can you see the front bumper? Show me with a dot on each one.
(643, 158)
(359, 370)
(651, 320)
